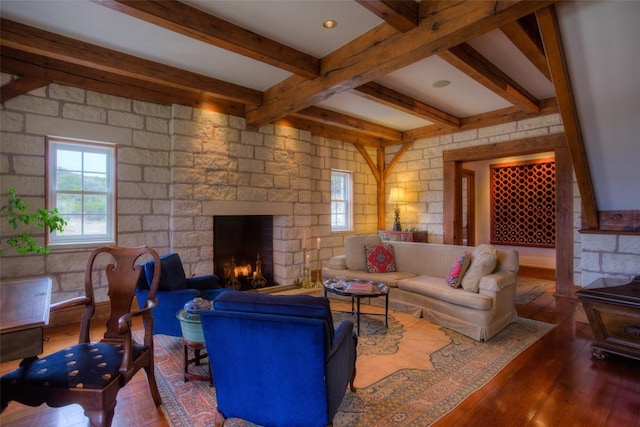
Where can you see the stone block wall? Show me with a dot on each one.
(609, 255)
(171, 160)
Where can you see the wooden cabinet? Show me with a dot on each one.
(403, 236)
(613, 309)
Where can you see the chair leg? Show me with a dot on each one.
(101, 417)
(218, 419)
(153, 386)
(353, 378)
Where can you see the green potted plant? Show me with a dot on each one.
(18, 215)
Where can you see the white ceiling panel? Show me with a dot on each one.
(463, 97)
(499, 50)
(298, 23)
(90, 22)
(363, 108)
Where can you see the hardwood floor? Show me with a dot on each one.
(555, 382)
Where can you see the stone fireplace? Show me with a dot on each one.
(286, 261)
(243, 251)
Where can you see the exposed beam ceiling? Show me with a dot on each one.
(410, 33)
(383, 50)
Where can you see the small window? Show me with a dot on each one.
(341, 201)
(82, 186)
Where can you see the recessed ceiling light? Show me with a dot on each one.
(441, 83)
(329, 23)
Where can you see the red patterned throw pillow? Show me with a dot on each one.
(379, 259)
(457, 270)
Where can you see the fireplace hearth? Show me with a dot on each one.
(243, 251)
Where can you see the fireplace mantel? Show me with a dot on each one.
(221, 207)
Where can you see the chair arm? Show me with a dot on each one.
(73, 302)
(342, 333)
(124, 322)
(124, 328)
(203, 283)
(340, 365)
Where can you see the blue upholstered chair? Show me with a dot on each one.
(276, 360)
(174, 291)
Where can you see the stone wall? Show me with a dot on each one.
(171, 162)
(609, 255)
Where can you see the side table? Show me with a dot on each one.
(193, 338)
(613, 309)
(358, 289)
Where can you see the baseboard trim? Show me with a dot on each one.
(544, 273)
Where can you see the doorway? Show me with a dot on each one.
(453, 194)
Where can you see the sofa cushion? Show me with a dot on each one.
(483, 261)
(458, 269)
(437, 288)
(379, 258)
(354, 250)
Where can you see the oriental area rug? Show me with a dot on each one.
(413, 373)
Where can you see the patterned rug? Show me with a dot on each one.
(418, 390)
(528, 289)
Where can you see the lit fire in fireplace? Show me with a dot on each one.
(243, 270)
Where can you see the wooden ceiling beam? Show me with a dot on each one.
(384, 50)
(550, 32)
(471, 62)
(53, 70)
(477, 121)
(400, 14)
(329, 131)
(191, 22)
(20, 86)
(349, 122)
(394, 99)
(524, 34)
(44, 43)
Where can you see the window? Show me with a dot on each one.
(341, 201)
(82, 186)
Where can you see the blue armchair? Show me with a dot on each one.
(174, 291)
(278, 360)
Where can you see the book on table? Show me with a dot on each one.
(360, 287)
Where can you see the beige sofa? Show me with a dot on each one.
(419, 285)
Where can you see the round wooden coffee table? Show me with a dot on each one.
(358, 289)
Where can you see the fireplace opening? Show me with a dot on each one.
(243, 251)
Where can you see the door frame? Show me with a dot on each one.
(452, 198)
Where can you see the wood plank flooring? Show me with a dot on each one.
(555, 382)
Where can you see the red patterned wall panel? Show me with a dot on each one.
(523, 203)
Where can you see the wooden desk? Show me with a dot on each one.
(24, 311)
(613, 309)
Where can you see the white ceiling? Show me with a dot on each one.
(600, 39)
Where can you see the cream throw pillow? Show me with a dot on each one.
(354, 250)
(483, 261)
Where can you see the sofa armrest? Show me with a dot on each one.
(497, 281)
(203, 283)
(338, 262)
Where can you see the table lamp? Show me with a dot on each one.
(396, 195)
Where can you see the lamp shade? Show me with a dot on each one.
(396, 195)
